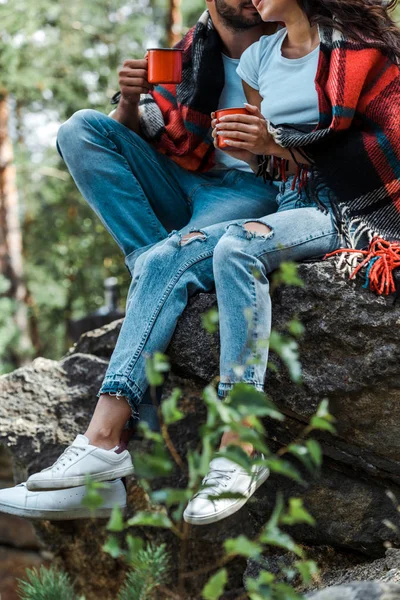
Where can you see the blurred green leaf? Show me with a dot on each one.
(150, 519)
(112, 547)
(171, 413)
(156, 366)
(135, 544)
(93, 499)
(282, 467)
(170, 497)
(215, 586)
(287, 274)
(246, 399)
(295, 328)
(315, 451)
(322, 419)
(308, 570)
(273, 536)
(155, 464)
(288, 351)
(210, 320)
(302, 453)
(296, 513)
(243, 546)
(116, 522)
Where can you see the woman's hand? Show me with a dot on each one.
(239, 154)
(247, 133)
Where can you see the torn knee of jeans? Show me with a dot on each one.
(257, 229)
(188, 238)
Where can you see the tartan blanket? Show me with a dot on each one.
(355, 149)
(176, 118)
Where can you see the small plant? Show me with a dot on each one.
(46, 584)
(150, 570)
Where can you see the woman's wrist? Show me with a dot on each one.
(253, 163)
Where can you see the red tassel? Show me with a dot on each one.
(383, 258)
(296, 178)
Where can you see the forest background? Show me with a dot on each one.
(57, 57)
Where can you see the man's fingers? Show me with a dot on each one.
(133, 91)
(143, 73)
(136, 64)
(134, 82)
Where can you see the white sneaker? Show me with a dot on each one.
(224, 476)
(60, 505)
(77, 461)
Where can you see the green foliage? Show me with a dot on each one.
(57, 58)
(169, 409)
(215, 586)
(287, 274)
(323, 420)
(156, 366)
(150, 570)
(46, 584)
(210, 320)
(93, 499)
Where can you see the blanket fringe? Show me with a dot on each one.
(379, 260)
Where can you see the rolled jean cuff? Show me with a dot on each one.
(121, 386)
(225, 388)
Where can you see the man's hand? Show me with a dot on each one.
(133, 80)
(247, 133)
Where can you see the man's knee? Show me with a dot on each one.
(71, 132)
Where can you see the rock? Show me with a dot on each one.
(386, 569)
(359, 591)
(350, 354)
(17, 533)
(336, 568)
(13, 565)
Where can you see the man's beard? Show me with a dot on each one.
(233, 17)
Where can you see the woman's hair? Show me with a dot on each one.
(359, 20)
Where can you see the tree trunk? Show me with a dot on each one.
(174, 26)
(11, 262)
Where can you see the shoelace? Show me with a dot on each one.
(66, 456)
(214, 481)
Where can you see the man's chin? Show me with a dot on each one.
(241, 24)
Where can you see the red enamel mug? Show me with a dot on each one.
(228, 111)
(164, 65)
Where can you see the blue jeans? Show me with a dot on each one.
(238, 264)
(141, 195)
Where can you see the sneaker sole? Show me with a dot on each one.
(230, 510)
(62, 484)
(57, 515)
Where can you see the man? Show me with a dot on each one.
(147, 169)
(152, 168)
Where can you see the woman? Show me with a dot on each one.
(335, 174)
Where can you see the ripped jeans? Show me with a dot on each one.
(237, 262)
